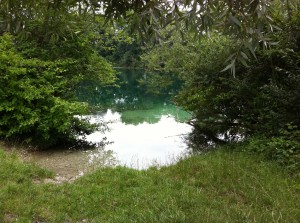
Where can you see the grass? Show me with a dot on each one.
(218, 187)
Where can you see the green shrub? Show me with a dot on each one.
(35, 103)
(283, 150)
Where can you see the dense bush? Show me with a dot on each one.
(261, 98)
(47, 48)
(36, 98)
(284, 149)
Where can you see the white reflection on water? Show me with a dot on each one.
(142, 145)
(137, 146)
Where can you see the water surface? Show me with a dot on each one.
(144, 130)
(140, 144)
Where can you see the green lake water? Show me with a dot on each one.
(144, 129)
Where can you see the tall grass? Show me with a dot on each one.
(217, 187)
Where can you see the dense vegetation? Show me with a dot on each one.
(44, 55)
(218, 187)
(238, 67)
(255, 97)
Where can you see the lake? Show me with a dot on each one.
(143, 130)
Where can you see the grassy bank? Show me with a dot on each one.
(217, 187)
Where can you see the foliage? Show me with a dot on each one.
(283, 149)
(168, 64)
(44, 20)
(198, 67)
(57, 45)
(127, 54)
(260, 98)
(112, 42)
(48, 53)
(157, 83)
(32, 107)
(249, 22)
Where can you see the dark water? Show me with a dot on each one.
(144, 129)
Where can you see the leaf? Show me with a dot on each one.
(229, 66)
(222, 14)
(235, 20)
(243, 61)
(233, 70)
(244, 55)
(250, 47)
(277, 27)
(274, 43)
(230, 57)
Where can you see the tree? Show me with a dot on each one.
(43, 60)
(249, 22)
(260, 100)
